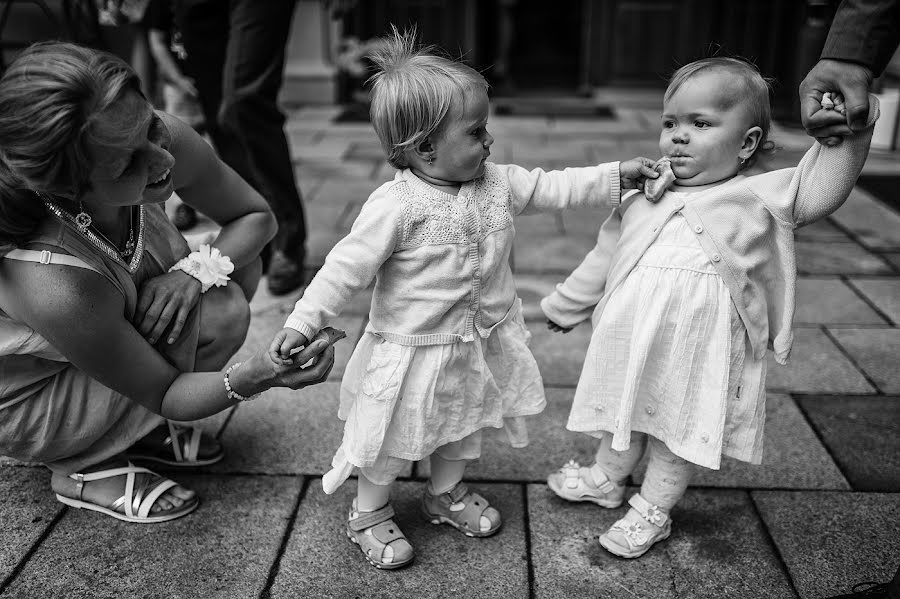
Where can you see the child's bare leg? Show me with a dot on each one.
(370, 523)
(447, 499)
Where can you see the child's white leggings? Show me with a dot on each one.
(667, 475)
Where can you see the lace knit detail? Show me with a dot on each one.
(431, 217)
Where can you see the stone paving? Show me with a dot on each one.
(821, 513)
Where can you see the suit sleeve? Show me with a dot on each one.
(865, 32)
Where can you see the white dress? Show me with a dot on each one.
(668, 356)
(404, 402)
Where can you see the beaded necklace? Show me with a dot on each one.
(133, 249)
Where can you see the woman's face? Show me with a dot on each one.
(136, 167)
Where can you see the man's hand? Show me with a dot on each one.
(852, 81)
(632, 173)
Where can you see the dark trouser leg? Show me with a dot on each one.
(252, 78)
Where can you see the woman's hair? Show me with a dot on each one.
(412, 92)
(50, 96)
(752, 90)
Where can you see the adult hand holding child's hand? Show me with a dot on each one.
(633, 173)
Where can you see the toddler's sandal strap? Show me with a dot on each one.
(649, 512)
(370, 519)
(387, 532)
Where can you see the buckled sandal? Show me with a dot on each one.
(574, 482)
(375, 532)
(643, 526)
(181, 448)
(461, 509)
(139, 497)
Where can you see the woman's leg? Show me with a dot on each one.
(224, 321)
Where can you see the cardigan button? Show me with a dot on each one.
(716, 257)
(705, 438)
(698, 229)
(651, 410)
(655, 229)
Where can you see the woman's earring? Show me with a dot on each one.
(82, 219)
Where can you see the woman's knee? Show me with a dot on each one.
(225, 318)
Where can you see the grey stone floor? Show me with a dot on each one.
(821, 513)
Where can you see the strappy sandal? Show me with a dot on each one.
(139, 497)
(573, 482)
(376, 531)
(643, 526)
(181, 448)
(462, 510)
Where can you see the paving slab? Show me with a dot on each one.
(822, 230)
(831, 301)
(551, 254)
(831, 540)
(884, 293)
(284, 432)
(551, 446)
(203, 555)
(532, 289)
(27, 508)
(875, 351)
(816, 365)
(718, 549)
(863, 435)
(560, 355)
(319, 561)
(834, 258)
(793, 457)
(873, 223)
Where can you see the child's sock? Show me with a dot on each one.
(617, 465)
(370, 497)
(667, 476)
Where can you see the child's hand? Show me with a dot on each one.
(285, 340)
(633, 173)
(556, 328)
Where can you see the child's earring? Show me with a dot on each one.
(742, 163)
(430, 160)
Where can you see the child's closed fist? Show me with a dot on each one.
(284, 341)
(633, 173)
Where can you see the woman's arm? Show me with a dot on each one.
(82, 315)
(209, 185)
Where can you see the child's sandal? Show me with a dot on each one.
(574, 483)
(374, 532)
(461, 509)
(643, 526)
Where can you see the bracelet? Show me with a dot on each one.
(232, 394)
(208, 266)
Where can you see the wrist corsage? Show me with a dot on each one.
(208, 266)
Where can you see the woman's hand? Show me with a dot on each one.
(164, 300)
(263, 373)
(632, 173)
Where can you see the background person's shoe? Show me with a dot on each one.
(285, 274)
(184, 218)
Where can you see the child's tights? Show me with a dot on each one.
(667, 475)
(445, 474)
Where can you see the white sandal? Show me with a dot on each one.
(643, 526)
(136, 502)
(573, 482)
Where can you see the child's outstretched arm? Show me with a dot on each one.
(538, 190)
(822, 180)
(349, 267)
(575, 298)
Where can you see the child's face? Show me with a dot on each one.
(463, 143)
(705, 132)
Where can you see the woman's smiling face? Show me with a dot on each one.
(136, 167)
(705, 129)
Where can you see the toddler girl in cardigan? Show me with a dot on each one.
(445, 353)
(684, 296)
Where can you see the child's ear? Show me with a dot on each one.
(425, 150)
(751, 140)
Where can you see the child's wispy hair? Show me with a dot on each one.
(412, 91)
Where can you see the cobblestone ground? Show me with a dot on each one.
(820, 514)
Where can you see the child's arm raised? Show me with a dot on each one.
(575, 298)
(538, 190)
(350, 266)
(822, 180)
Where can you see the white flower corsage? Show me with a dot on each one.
(208, 266)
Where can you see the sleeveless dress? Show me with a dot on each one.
(50, 411)
(669, 358)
